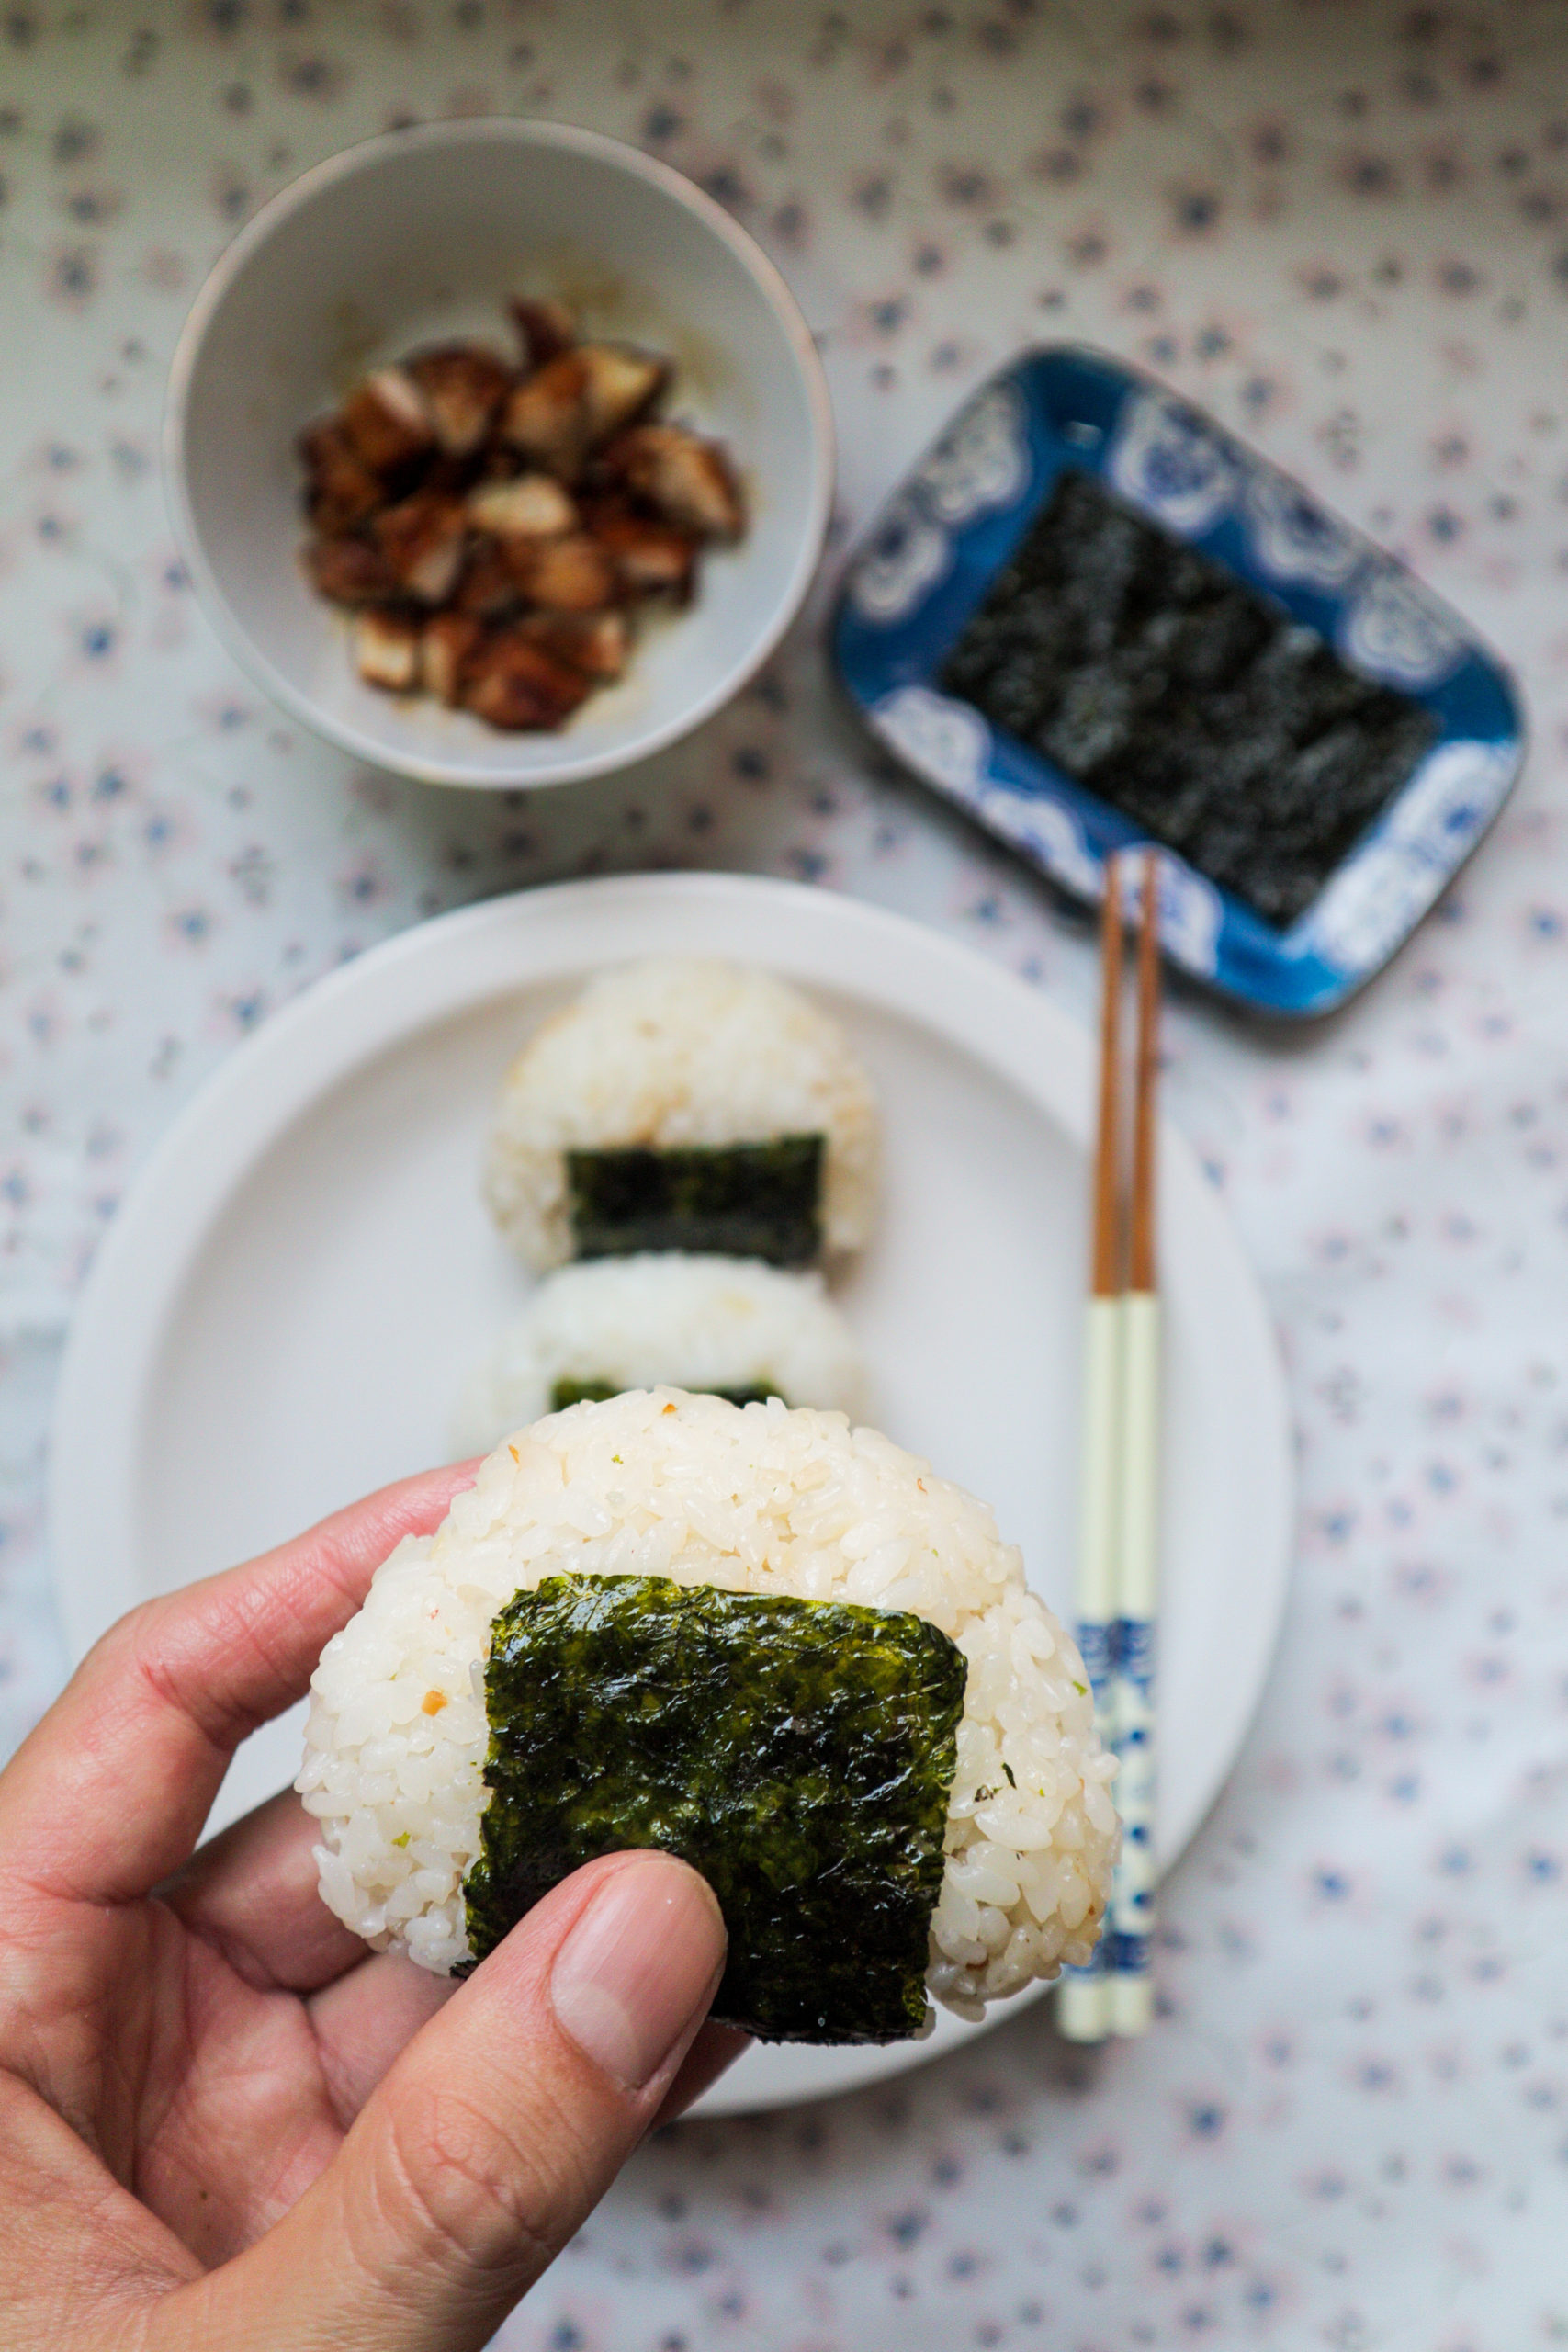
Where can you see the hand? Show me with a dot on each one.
(222, 2121)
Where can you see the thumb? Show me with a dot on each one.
(497, 2130)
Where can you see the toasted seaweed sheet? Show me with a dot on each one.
(597, 1392)
(742, 1200)
(799, 1753)
(1193, 704)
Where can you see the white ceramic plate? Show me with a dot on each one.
(287, 1305)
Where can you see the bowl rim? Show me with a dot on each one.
(484, 130)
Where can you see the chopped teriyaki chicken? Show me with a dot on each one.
(495, 525)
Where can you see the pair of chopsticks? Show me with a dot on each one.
(1118, 1568)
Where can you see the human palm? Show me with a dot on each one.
(221, 2119)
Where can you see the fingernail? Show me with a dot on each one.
(636, 1967)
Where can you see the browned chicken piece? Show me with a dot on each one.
(621, 382)
(350, 571)
(449, 643)
(651, 558)
(512, 683)
(386, 649)
(340, 489)
(560, 414)
(464, 385)
(547, 416)
(533, 506)
(571, 575)
(595, 643)
(389, 421)
(425, 539)
(487, 587)
(688, 481)
(543, 329)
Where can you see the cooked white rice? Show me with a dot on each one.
(673, 1052)
(753, 1500)
(689, 1322)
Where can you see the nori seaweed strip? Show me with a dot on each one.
(798, 1753)
(1198, 706)
(742, 1200)
(598, 1392)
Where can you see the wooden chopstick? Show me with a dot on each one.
(1117, 1556)
(1141, 1222)
(1083, 2003)
(1137, 1596)
(1105, 1272)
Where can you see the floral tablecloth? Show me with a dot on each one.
(1344, 228)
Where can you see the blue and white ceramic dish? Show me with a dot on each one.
(956, 521)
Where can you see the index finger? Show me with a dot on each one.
(107, 1796)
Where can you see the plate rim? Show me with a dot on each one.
(313, 1043)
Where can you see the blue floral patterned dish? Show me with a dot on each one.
(956, 520)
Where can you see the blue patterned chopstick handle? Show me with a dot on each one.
(1132, 1900)
(1133, 1701)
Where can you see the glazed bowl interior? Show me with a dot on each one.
(421, 236)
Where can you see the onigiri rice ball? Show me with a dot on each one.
(709, 1324)
(679, 1054)
(760, 1500)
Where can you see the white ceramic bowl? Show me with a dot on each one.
(422, 235)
